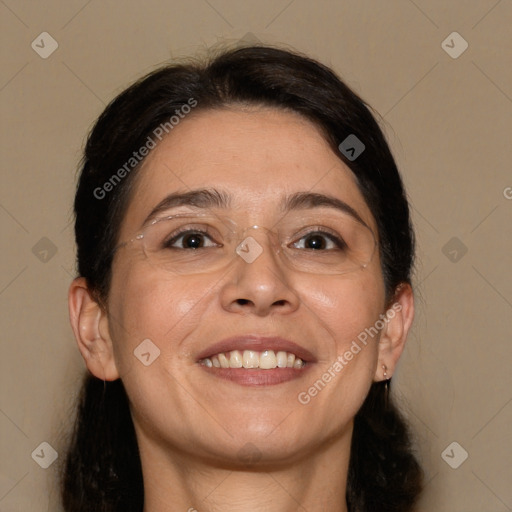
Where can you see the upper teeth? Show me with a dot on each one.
(265, 360)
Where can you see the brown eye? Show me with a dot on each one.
(190, 239)
(319, 240)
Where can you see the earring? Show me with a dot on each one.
(386, 384)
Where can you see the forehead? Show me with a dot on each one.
(257, 156)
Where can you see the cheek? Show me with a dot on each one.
(347, 304)
(346, 311)
(145, 304)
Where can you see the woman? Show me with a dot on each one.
(244, 295)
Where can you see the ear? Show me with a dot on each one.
(398, 320)
(90, 325)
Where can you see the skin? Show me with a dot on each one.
(191, 426)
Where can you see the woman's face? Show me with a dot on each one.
(258, 157)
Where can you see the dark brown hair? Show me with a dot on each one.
(102, 470)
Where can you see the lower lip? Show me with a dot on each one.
(256, 377)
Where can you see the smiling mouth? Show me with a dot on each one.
(252, 359)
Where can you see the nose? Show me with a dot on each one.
(258, 281)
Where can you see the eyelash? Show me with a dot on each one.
(339, 242)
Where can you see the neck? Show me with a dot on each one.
(175, 481)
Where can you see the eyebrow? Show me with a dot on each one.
(207, 198)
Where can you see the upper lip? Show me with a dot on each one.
(257, 343)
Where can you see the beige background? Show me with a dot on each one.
(448, 120)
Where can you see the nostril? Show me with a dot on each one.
(242, 301)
